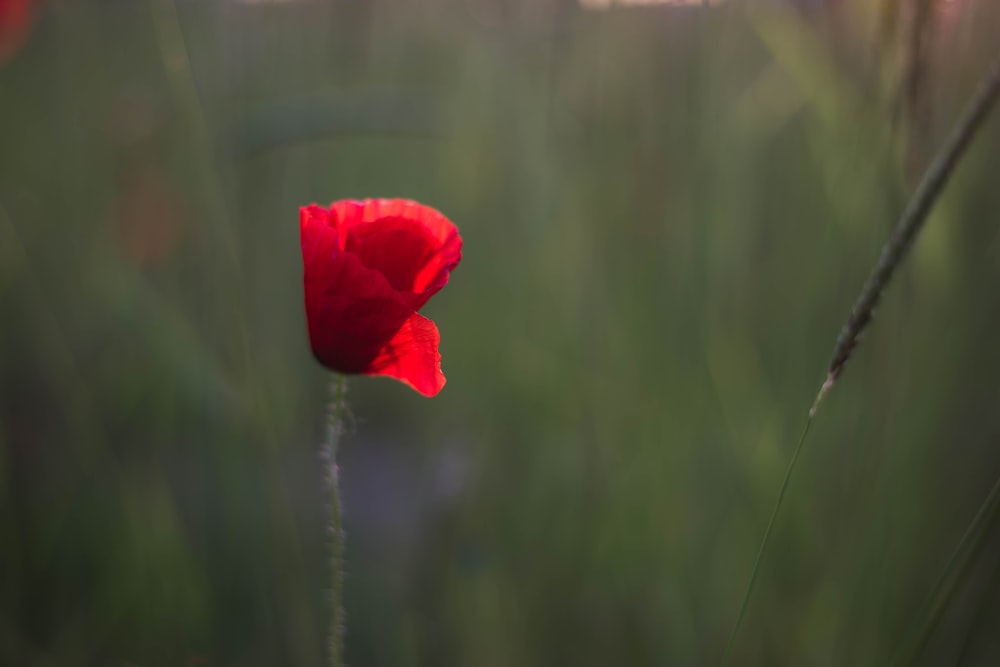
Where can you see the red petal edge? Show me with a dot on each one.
(412, 357)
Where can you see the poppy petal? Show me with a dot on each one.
(413, 245)
(352, 312)
(319, 237)
(412, 356)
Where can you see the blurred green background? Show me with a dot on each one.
(667, 214)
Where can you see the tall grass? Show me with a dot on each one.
(665, 215)
(893, 253)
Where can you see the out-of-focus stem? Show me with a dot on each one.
(334, 432)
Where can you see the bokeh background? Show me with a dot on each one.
(667, 212)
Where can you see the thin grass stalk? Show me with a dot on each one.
(176, 58)
(763, 543)
(910, 223)
(893, 252)
(334, 432)
(948, 582)
(977, 625)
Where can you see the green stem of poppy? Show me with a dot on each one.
(334, 433)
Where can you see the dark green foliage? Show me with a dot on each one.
(666, 215)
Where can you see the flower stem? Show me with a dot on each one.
(334, 432)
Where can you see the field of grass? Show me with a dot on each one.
(667, 215)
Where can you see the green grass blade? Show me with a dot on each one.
(764, 540)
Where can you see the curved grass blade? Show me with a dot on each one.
(947, 584)
(893, 252)
(763, 543)
(909, 225)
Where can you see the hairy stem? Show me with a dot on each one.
(334, 432)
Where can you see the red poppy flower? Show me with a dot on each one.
(369, 267)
